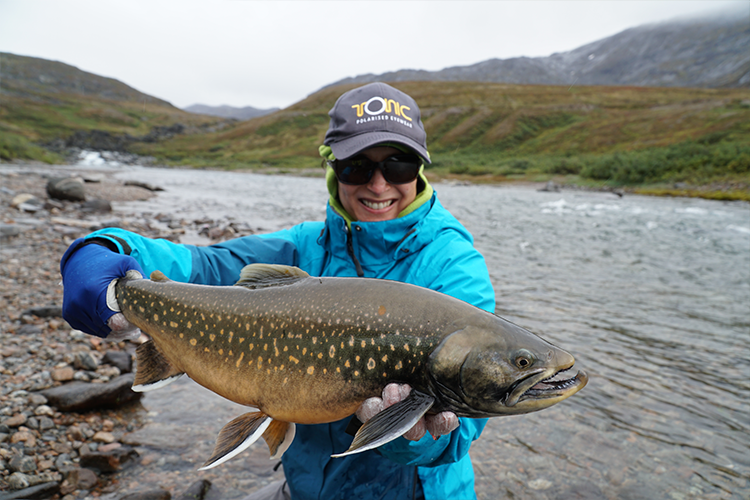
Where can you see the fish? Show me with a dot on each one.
(300, 349)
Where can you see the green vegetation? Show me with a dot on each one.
(678, 141)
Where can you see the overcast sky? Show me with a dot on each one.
(275, 53)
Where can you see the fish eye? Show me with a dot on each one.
(523, 359)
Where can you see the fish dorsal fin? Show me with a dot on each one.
(390, 423)
(265, 275)
(153, 370)
(237, 436)
(159, 276)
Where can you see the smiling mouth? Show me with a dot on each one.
(376, 205)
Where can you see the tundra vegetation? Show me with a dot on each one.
(652, 140)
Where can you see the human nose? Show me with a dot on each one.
(377, 183)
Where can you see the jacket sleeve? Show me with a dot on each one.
(460, 271)
(218, 264)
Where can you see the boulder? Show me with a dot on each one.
(84, 396)
(121, 360)
(66, 188)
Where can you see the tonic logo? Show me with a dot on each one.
(377, 105)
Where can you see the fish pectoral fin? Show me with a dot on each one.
(154, 370)
(255, 276)
(390, 423)
(237, 436)
(279, 435)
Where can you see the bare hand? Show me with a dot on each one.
(437, 425)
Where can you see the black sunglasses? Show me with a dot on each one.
(358, 170)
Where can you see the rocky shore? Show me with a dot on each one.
(61, 391)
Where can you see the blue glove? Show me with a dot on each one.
(87, 270)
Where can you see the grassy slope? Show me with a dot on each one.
(650, 138)
(41, 101)
(600, 136)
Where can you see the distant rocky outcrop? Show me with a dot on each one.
(712, 52)
(245, 113)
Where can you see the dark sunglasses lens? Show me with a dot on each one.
(396, 169)
(354, 171)
(401, 169)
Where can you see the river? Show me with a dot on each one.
(651, 295)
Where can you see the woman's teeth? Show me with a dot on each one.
(377, 205)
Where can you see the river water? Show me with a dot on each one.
(651, 296)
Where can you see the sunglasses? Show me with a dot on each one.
(398, 169)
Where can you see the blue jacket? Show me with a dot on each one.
(427, 247)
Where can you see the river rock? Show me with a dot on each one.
(38, 492)
(22, 463)
(144, 185)
(66, 188)
(79, 479)
(10, 230)
(96, 205)
(147, 495)
(197, 490)
(119, 359)
(28, 330)
(83, 396)
(110, 461)
(16, 420)
(24, 198)
(85, 361)
(44, 312)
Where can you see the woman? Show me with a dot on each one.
(383, 220)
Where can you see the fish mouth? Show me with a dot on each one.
(544, 389)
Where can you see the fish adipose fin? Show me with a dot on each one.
(237, 436)
(154, 371)
(390, 423)
(256, 276)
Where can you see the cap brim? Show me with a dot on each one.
(356, 144)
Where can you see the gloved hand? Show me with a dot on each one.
(87, 272)
(437, 425)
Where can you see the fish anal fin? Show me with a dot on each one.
(159, 276)
(279, 435)
(390, 423)
(237, 436)
(266, 275)
(154, 370)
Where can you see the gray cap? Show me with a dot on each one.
(372, 115)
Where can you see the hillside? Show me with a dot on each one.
(494, 132)
(225, 111)
(709, 53)
(46, 102)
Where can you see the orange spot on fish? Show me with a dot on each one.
(381, 310)
(193, 341)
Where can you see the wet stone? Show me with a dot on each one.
(28, 330)
(37, 492)
(22, 463)
(81, 396)
(110, 461)
(16, 420)
(197, 490)
(119, 359)
(85, 361)
(147, 495)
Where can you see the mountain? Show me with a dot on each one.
(23, 76)
(709, 53)
(49, 105)
(225, 111)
